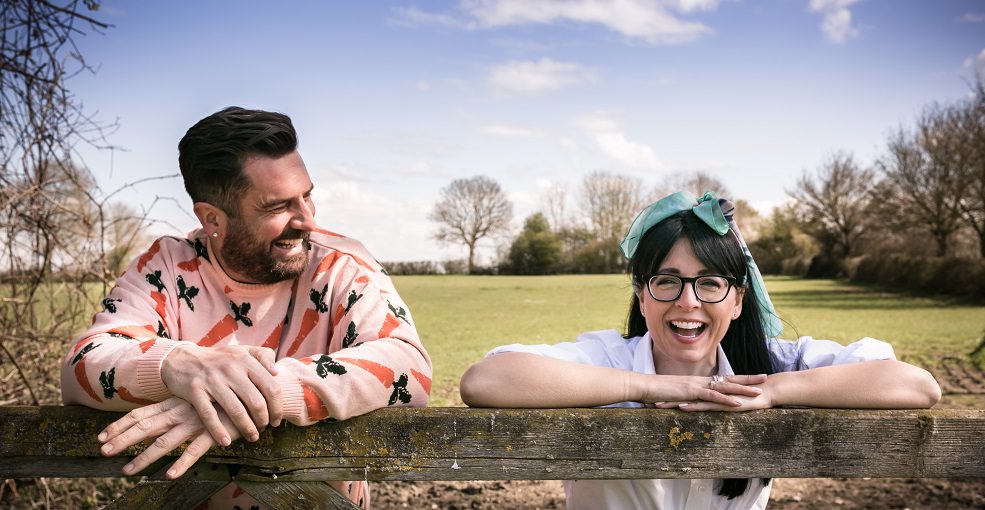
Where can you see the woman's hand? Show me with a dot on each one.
(171, 423)
(695, 393)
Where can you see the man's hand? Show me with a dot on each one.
(171, 423)
(239, 379)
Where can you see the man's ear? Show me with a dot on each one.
(212, 218)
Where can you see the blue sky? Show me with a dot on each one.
(394, 100)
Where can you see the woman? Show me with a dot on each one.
(700, 337)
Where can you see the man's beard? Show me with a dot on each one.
(254, 259)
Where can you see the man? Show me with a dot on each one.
(256, 317)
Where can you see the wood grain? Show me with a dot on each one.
(485, 444)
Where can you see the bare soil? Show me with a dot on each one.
(963, 384)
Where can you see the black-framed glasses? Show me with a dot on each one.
(708, 289)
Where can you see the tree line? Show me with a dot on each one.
(913, 217)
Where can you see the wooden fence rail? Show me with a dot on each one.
(512, 444)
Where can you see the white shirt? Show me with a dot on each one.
(609, 349)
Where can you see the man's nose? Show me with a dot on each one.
(304, 218)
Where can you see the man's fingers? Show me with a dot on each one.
(266, 357)
(134, 416)
(238, 414)
(207, 413)
(160, 447)
(271, 393)
(198, 447)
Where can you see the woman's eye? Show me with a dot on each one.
(668, 282)
(711, 284)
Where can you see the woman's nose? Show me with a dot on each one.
(688, 300)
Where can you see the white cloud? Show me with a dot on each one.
(837, 19)
(412, 16)
(976, 64)
(506, 131)
(535, 77)
(973, 17)
(608, 136)
(631, 153)
(653, 21)
(418, 168)
(597, 121)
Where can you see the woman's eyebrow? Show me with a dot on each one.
(674, 270)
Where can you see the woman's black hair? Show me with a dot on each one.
(745, 341)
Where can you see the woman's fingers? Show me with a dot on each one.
(731, 388)
(746, 379)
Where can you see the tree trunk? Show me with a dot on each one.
(471, 268)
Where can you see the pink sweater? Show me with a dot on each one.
(345, 341)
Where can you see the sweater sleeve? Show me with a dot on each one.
(116, 364)
(374, 357)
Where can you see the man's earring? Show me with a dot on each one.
(215, 234)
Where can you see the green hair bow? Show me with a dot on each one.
(709, 209)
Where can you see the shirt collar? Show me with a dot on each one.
(643, 358)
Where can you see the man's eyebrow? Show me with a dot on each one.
(276, 202)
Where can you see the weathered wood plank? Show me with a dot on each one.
(166, 495)
(485, 444)
(299, 495)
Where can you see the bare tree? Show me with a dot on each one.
(555, 200)
(469, 210)
(693, 184)
(972, 146)
(926, 177)
(832, 204)
(610, 202)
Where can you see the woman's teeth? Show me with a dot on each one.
(687, 328)
(686, 324)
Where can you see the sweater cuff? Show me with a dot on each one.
(291, 396)
(149, 380)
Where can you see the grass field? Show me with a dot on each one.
(461, 317)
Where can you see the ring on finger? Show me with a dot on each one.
(715, 380)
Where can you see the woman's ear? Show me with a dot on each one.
(740, 294)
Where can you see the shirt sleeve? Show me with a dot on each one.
(116, 363)
(600, 348)
(806, 353)
(374, 357)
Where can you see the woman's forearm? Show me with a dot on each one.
(529, 380)
(883, 384)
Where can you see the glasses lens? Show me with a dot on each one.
(711, 289)
(665, 287)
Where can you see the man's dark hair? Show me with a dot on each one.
(212, 153)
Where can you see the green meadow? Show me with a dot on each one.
(461, 317)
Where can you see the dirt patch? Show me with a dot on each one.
(959, 376)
